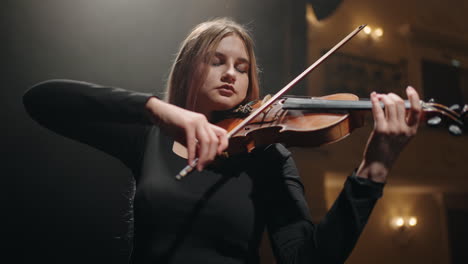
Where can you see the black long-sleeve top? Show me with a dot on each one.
(214, 216)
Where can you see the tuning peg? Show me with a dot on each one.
(431, 100)
(434, 121)
(455, 107)
(464, 111)
(455, 130)
(464, 115)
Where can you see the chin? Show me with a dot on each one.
(223, 105)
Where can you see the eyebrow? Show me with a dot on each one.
(241, 59)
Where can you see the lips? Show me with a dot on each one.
(226, 89)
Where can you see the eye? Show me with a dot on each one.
(242, 68)
(216, 61)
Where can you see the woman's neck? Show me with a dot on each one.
(208, 113)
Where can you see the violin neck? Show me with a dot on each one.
(320, 104)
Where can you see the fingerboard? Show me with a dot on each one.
(321, 104)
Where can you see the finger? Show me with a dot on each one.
(191, 145)
(213, 144)
(203, 146)
(377, 111)
(390, 110)
(414, 113)
(221, 133)
(400, 108)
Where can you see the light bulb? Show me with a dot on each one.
(412, 221)
(399, 222)
(378, 32)
(367, 30)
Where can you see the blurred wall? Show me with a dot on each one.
(433, 167)
(424, 243)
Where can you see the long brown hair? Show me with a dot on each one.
(187, 76)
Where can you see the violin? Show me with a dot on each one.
(312, 121)
(315, 121)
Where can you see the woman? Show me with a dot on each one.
(218, 215)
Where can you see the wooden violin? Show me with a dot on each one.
(315, 121)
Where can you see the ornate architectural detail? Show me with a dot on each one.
(361, 76)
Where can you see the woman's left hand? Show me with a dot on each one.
(394, 126)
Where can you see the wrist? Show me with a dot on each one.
(374, 171)
(153, 107)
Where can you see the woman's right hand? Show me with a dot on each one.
(202, 139)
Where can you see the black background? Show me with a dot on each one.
(63, 202)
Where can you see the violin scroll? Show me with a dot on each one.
(455, 116)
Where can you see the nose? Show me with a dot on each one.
(229, 76)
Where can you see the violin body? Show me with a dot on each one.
(294, 127)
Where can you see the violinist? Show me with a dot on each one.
(218, 213)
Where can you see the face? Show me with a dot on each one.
(227, 79)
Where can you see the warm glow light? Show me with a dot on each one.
(378, 32)
(399, 221)
(367, 30)
(412, 221)
(311, 18)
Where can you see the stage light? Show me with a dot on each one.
(399, 221)
(412, 221)
(368, 30)
(378, 32)
(404, 227)
(404, 222)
